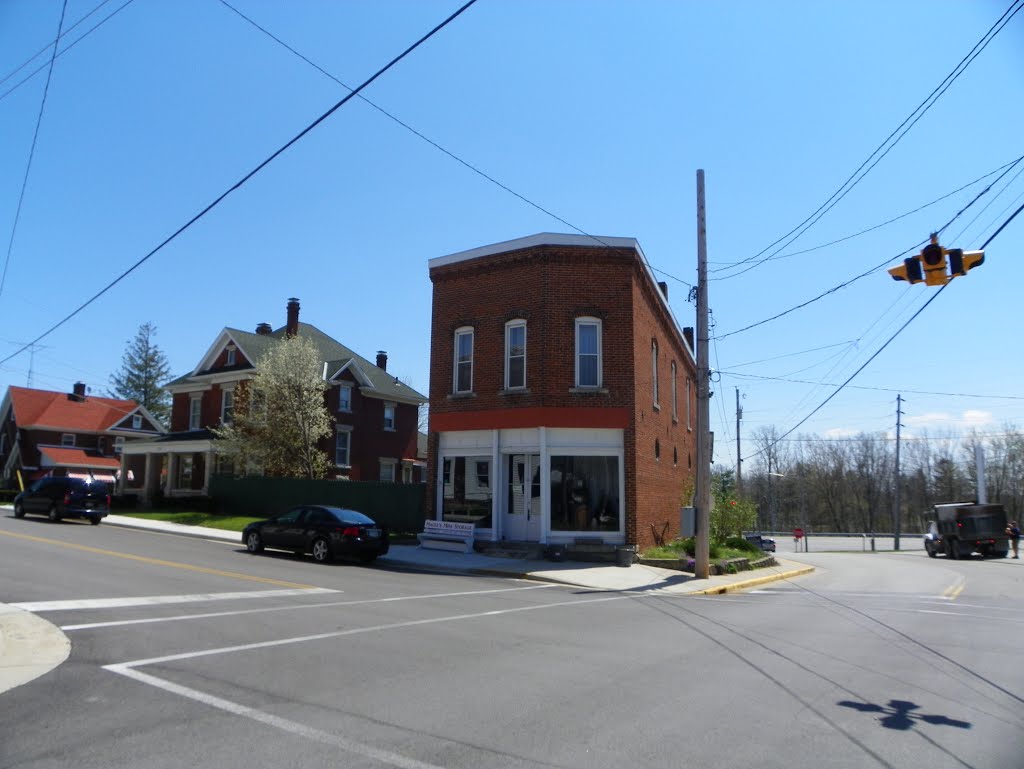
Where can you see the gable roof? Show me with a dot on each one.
(60, 411)
(334, 357)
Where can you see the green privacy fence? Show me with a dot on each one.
(398, 505)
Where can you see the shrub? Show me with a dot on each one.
(739, 543)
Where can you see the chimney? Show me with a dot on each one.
(78, 392)
(263, 329)
(292, 327)
(688, 335)
(382, 360)
(664, 288)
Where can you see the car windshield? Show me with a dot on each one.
(88, 487)
(351, 516)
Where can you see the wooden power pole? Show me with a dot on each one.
(703, 480)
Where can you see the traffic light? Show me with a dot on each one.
(910, 271)
(934, 257)
(961, 261)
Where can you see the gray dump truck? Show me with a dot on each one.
(960, 529)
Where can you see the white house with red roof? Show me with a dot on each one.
(73, 434)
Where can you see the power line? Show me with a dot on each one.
(46, 47)
(1009, 167)
(432, 142)
(878, 389)
(32, 150)
(919, 111)
(245, 178)
(886, 344)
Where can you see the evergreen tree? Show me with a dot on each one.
(143, 367)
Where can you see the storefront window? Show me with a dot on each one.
(585, 494)
(467, 490)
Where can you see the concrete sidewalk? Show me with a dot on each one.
(595, 576)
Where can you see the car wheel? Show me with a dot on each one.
(53, 515)
(95, 520)
(19, 510)
(254, 543)
(931, 551)
(321, 550)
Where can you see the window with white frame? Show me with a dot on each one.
(343, 447)
(230, 357)
(688, 426)
(389, 417)
(588, 352)
(654, 369)
(136, 421)
(118, 444)
(344, 397)
(387, 470)
(675, 401)
(515, 354)
(464, 360)
(67, 439)
(195, 412)
(227, 406)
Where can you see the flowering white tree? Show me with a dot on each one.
(280, 415)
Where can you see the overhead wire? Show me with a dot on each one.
(919, 111)
(458, 12)
(63, 50)
(32, 151)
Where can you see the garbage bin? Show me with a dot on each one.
(625, 555)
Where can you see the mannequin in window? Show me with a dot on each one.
(580, 504)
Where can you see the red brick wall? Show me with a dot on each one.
(549, 287)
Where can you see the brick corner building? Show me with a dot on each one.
(562, 393)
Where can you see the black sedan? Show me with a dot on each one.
(324, 531)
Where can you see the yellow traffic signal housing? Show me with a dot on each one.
(910, 271)
(934, 257)
(961, 261)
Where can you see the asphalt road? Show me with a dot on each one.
(190, 653)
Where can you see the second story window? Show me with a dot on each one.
(654, 370)
(67, 439)
(688, 426)
(136, 421)
(515, 354)
(227, 406)
(230, 357)
(588, 352)
(118, 444)
(675, 402)
(389, 416)
(464, 360)
(344, 397)
(195, 412)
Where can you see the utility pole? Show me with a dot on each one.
(703, 480)
(896, 500)
(739, 466)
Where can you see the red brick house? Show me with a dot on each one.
(45, 433)
(374, 434)
(562, 397)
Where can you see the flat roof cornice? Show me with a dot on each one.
(540, 239)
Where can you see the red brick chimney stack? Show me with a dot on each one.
(264, 329)
(382, 360)
(292, 327)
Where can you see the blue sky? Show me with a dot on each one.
(598, 112)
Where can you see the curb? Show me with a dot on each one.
(754, 582)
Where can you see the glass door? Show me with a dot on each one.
(523, 503)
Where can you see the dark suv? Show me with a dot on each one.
(65, 498)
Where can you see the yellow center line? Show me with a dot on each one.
(955, 589)
(157, 561)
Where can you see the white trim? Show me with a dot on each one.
(587, 320)
(540, 239)
(509, 326)
(460, 332)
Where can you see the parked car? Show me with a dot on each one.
(65, 497)
(767, 544)
(326, 532)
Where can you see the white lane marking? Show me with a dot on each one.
(293, 727)
(156, 600)
(970, 615)
(293, 607)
